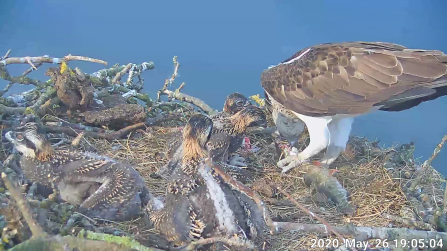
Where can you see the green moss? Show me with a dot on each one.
(122, 240)
(95, 81)
(2, 190)
(30, 110)
(132, 100)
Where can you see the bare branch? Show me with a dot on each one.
(82, 58)
(49, 60)
(34, 109)
(427, 163)
(180, 96)
(175, 73)
(109, 136)
(327, 225)
(234, 241)
(365, 233)
(189, 99)
(21, 79)
(118, 76)
(22, 204)
(6, 55)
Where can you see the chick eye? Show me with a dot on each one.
(19, 137)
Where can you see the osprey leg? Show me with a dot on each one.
(319, 139)
(339, 130)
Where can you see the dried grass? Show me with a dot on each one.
(362, 171)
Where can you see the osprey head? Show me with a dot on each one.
(29, 141)
(198, 128)
(235, 102)
(253, 116)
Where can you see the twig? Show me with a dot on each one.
(243, 189)
(327, 225)
(175, 73)
(109, 136)
(6, 55)
(72, 125)
(47, 106)
(234, 241)
(50, 60)
(21, 79)
(10, 84)
(77, 140)
(22, 204)
(136, 70)
(34, 109)
(427, 163)
(189, 99)
(118, 76)
(82, 58)
(180, 96)
(365, 233)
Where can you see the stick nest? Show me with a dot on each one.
(375, 178)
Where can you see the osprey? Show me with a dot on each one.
(327, 85)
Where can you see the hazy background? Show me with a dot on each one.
(223, 46)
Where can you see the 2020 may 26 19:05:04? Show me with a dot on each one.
(378, 243)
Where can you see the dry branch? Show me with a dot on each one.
(23, 206)
(118, 76)
(11, 83)
(365, 233)
(427, 163)
(181, 96)
(49, 60)
(327, 225)
(109, 136)
(190, 99)
(175, 73)
(21, 79)
(6, 55)
(234, 241)
(34, 109)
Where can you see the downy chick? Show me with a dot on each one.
(198, 205)
(121, 193)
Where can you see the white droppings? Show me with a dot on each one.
(130, 93)
(98, 157)
(157, 204)
(224, 213)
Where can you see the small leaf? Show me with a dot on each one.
(258, 100)
(64, 67)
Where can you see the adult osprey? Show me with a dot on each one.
(327, 85)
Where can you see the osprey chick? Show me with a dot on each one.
(198, 205)
(120, 194)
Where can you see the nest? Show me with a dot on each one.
(375, 178)
(364, 170)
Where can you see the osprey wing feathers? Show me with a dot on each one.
(351, 78)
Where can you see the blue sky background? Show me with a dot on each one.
(223, 46)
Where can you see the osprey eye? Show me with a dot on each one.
(19, 137)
